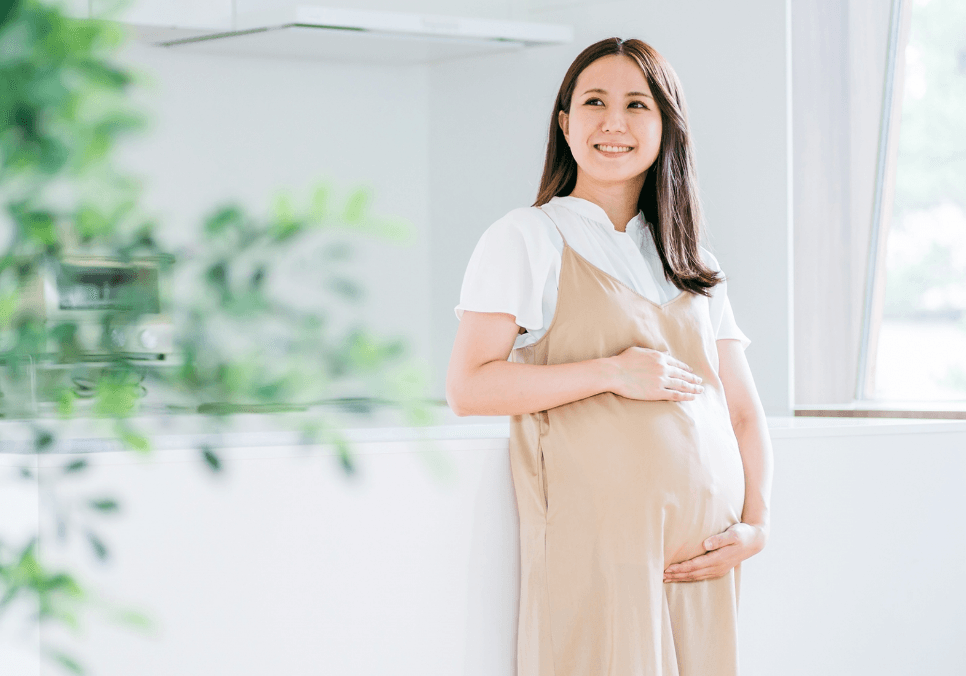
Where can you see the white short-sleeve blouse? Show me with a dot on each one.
(515, 266)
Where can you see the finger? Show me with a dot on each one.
(697, 576)
(702, 573)
(687, 376)
(684, 386)
(680, 364)
(677, 395)
(721, 540)
(698, 562)
(693, 571)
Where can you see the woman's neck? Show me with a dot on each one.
(618, 200)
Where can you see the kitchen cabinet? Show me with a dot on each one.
(289, 30)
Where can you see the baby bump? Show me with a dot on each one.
(643, 478)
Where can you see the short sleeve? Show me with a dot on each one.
(508, 270)
(722, 314)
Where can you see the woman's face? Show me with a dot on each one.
(614, 126)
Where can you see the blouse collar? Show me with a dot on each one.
(596, 213)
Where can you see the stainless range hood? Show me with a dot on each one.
(364, 36)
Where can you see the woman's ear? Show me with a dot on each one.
(563, 119)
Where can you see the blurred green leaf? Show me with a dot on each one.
(394, 229)
(8, 305)
(65, 402)
(346, 461)
(347, 288)
(135, 441)
(38, 226)
(217, 277)
(66, 661)
(6, 9)
(91, 222)
(116, 399)
(75, 466)
(135, 619)
(104, 505)
(284, 230)
(43, 440)
(356, 205)
(283, 209)
(230, 217)
(211, 459)
(100, 549)
(319, 207)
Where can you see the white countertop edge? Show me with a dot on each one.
(88, 440)
(779, 428)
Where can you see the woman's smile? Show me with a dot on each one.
(613, 150)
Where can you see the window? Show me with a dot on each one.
(915, 319)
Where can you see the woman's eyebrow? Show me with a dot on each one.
(603, 91)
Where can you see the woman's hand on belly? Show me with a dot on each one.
(651, 375)
(725, 551)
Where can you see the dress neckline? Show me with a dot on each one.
(611, 277)
(596, 213)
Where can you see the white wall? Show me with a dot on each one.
(283, 566)
(864, 570)
(241, 129)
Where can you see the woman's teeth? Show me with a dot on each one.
(613, 149)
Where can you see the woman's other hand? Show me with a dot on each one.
(725, 551)
(647, 374)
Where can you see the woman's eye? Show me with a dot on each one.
(597, 100)
(641, 103)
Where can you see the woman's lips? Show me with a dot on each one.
(616, 150)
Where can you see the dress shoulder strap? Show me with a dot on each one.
(555, 225)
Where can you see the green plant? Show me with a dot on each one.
(239, 345)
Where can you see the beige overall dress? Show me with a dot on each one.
(611, 490)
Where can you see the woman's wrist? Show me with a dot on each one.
(608, 373)
(758, 521)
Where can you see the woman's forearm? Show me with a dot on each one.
(754, 443)
(510, 388)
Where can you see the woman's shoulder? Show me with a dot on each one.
(528, 226)
(709, 259)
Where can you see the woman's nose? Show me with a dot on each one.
(614, 121)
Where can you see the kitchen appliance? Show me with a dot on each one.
(87, 290)
(114, 308)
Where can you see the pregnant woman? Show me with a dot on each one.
(640, 457)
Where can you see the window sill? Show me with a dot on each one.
(942, 410)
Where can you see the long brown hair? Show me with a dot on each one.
(669, 197)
